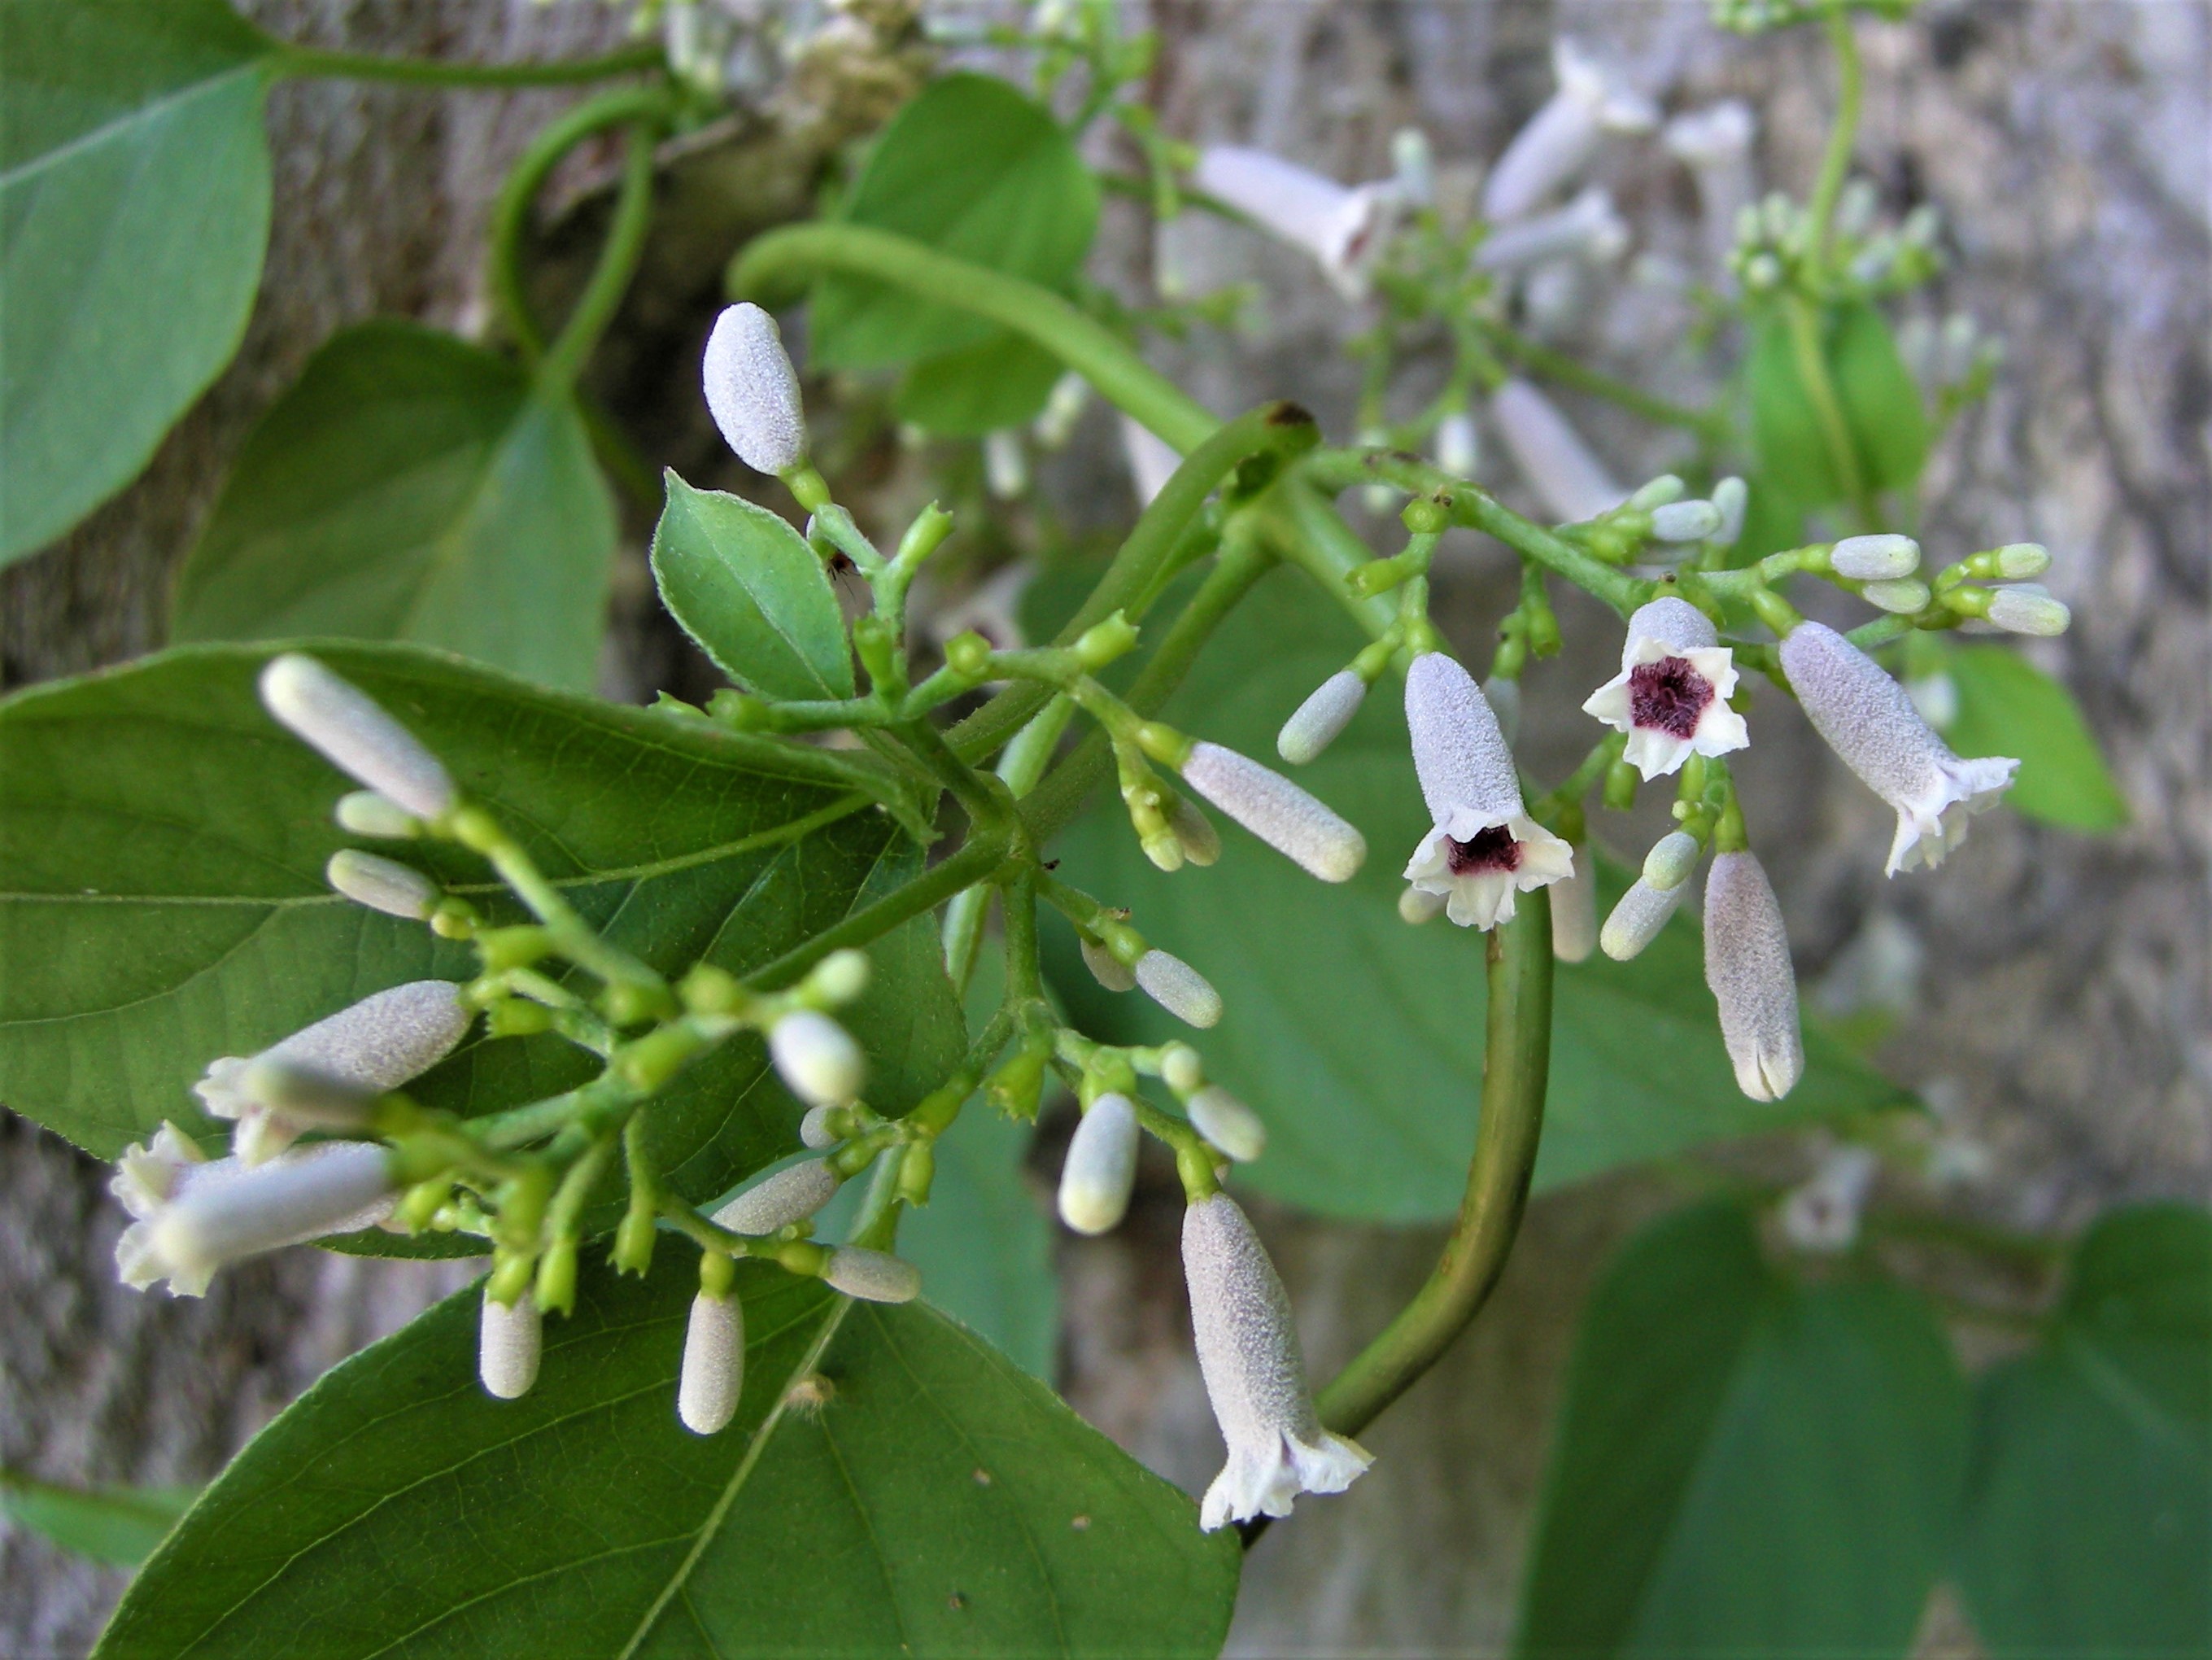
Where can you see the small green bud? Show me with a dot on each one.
(968, 656)
(557, 1278)
(707, 989)
(916, 1170)
(475, 830)
(658, 1056)
(738, 709)
(1620, 781)
(502, 949)
(718, 1273)
(1425, 516)
(1016, 1088)
(2020, 561)
(839, 977)
(626, 1003)
(1103, 642)
(422, 1203)
(511, 1275)
(633, 1242)
(1661, 490)
(517, 1017)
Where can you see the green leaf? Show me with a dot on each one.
(939, 1502)
(2089, 1524)
(983, 1246)
(1000, 382)
(747, 588)
(162, 848)
(134, 208)
(1880, 405)
(975, 170)
(1742, 1465)
(1359, 1039)
(112, 1525)
(412, 487)
(2007, 706)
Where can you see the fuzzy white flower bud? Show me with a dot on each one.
(382, 884)
(1227, 1124)
(1315, 724)
(1672, 858)
(1181, 1067)
(1342, 228)
(375, 1045)
(753, 391)
(1684, 522)
(509, 1341)
(1823, 1213)
(1747, 966)
(1563, 136)
(1567, 477)
(1733, 498)
(841, 977)
(1108, 970)
(1194, 832)
(1902, 596)
(1875, 558)
(1179, 988)
(713, 1369)
(1870, 721)
(1637, 919)
(195, 1215)
(2020, 561)
(353, 733)
(2028, 609)
(1574, 911)
(818, 1128)
(366, 812)
(1256, 1378)
(1587, 229)
(873, 1276)
(1419, 905)
(1101, 1167)
(1276, 810)
(1458, 450)
(817, 1058)
(790, 1195)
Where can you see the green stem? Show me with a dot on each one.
(1709, 424)
(510, 212)
(1835, 163)
(985, 852)
(1811, 361)
(1514, 1070)
(618, 262)
(434, 72)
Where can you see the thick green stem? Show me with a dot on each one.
(986, 850)
(1811, 357)
(434, 72)
(1514, 1070)
(618, 262)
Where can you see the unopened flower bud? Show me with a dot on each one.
(1006, 464)
(1276, 810)
(1637, 919)
(753, 392)
(1659, 492)
(790, 1195)
(1684, 522)
(1574, 911)
(508, 1341)
(2028, 609)
(1458, 451)
(1903, 597)
(1875, 558)
(1194, 832)
(873, 1276)
(1419, 905)
(1108, 970)
(382, 884)
(1747, 966)
(1672, 858)
(1181, 1067)
(367, 812)
(2020, 562)
(1101, 1167)
(839, 977)
(817, 1058)
(1567, 477)
(713, 1363)
(354, 733)
(1179, 988)
(824, 1126)
(1315, 724)
(1227, 1124)
(1733, 498)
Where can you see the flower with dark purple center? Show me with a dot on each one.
(1671, 695)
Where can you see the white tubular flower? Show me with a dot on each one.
(817, 1058)
(753, 392)
(873, 1276)
(1108, 970)
(1315, 724)
(365, 813)
(1101, 1167)
(1563, 136)
(788, 1196)
(1587, 228)
(1637, 919)
(353, 733)
(1152, 460)
(1570, 481)
(1484, 848)
(382, 884)
(1823, 1214)
(194, 1215)
(1875, 558)
(1227, 1123)
(1671, 695)
(377, 1044)
(1179, 988)
(1419, 905)
(1248, 1352)
(1458, 450)
(1193, 833)
(1574, 911)
(1870, 721)
(714, 1368)
(1733, 498)
(1715, 144)
(508, 1343)
(1343, 228)
(1276, 810)
(1747, 966)
(2028, 608)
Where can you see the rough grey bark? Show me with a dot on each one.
(2060, 1012)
